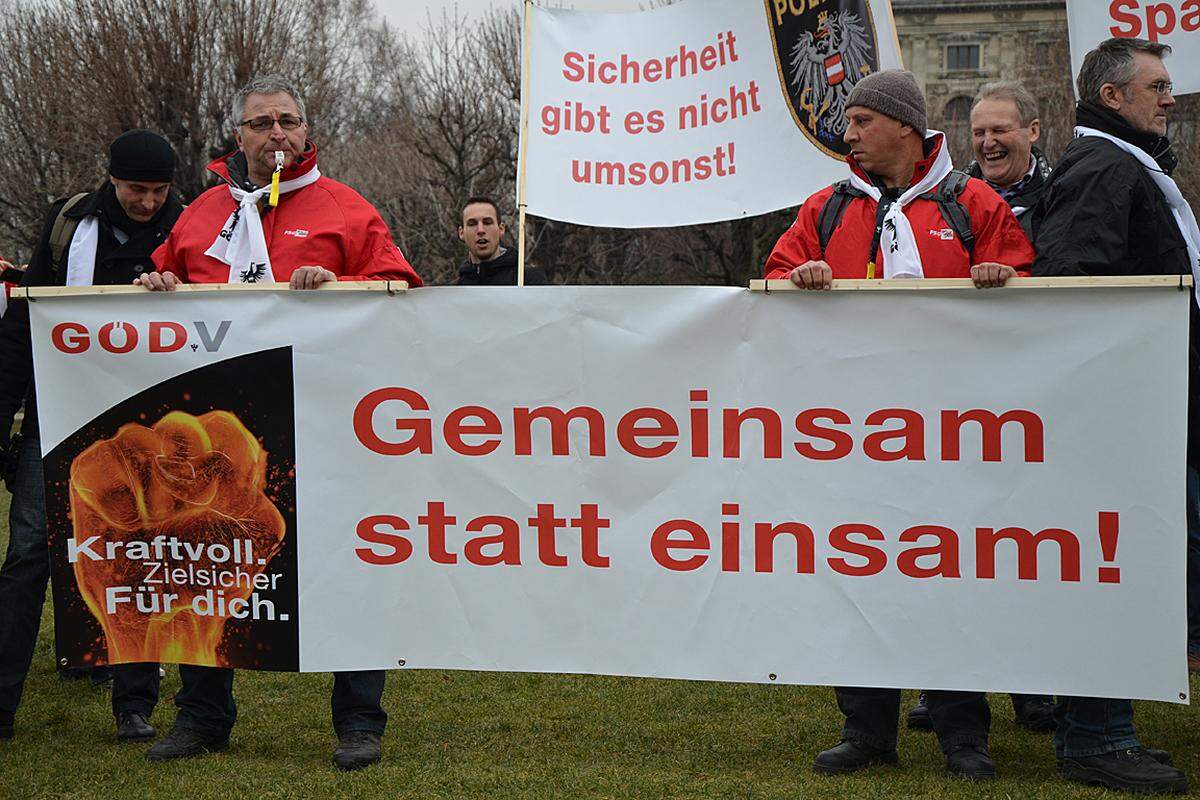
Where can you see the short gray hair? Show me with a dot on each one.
(263, 84)
(1113, 62)
(1010, 90)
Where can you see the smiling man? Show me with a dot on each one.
(488, 263)
(1004, 131)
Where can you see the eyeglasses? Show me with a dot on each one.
(1162, 87)
(288, 123)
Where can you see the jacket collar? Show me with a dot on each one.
(231, 167)
(507, 259)
(933, 144)
(1102, 119)
(92, 205)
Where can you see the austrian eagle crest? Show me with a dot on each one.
(821, 53)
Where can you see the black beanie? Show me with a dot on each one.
(141, 155)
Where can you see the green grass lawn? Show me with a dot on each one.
(461, 734)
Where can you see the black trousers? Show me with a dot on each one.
(206, 705)
(135, 688)
(873, 716)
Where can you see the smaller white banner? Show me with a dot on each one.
(1171, 22)
(701, 111)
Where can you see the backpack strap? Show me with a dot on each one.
(61, 232)
(833, 211)
(953, 211)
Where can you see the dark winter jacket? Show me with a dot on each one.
(1102, 214)
(500, 271)
(1022, 198)
(116, 263)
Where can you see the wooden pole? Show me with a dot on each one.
(524, 144)
(36, 292)
(910, 284)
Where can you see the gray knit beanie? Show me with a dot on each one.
(893, 92)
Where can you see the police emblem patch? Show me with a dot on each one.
(822, 48)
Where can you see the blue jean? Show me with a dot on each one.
(1092, 726)
(206, 704)
(1193, 559)
(24, 576)
(23, 580)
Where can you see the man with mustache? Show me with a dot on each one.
(310, 231)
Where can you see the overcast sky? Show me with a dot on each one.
(409, 15)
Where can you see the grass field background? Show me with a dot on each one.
(483, 735)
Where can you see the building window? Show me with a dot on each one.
(962, 57)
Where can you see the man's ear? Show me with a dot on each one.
(1035, 130)
(1111, 97)
(460, 233)
(502, 230)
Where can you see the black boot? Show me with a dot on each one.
(1131, 770)
(851, 756)
(357, 749)
(185, 743)
(918, 716)
(133, 726)
(1037, 715)
(970, 761)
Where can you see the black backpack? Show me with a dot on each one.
(945, 194)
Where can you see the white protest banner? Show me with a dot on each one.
(952, 489)
(700, 111)
(1171, 22)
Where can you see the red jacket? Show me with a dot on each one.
(998, 235)
(324, 224)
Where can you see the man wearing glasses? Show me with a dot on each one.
(1111, 208)
(275, 218)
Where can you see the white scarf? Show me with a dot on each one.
(244, 246)
(898, 246)
(1184, 217)
(81, 257)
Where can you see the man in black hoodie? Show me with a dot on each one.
(101, 237)
(487, 263)
(1108, 211)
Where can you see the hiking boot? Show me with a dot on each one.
(1037, 715)
(1161, 756)
(185, 743)
(1130, 770)
(918, 716)
(850, 756)
(101, 676)
(971, 761)
(133, 726)
(357, 749)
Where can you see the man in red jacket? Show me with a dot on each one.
(903, 213)
(315, 230)
(309, 231)
(888, 220)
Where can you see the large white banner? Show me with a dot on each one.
(938, 489)
(1171, 22)
(700, 111)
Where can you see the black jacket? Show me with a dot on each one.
(500, 271)
(1102, 214)
(116, 263)
(1025, 199)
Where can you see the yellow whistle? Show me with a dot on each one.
(273, 200)
(870, 270)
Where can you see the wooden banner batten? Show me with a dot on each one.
(37, 292)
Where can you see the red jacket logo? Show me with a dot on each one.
(125, 337)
